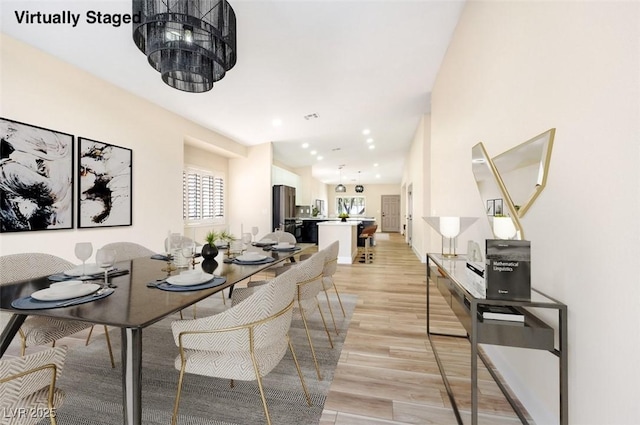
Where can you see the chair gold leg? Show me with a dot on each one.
(313, 352)
(89, 336)
(181, 318)
(326, 329)
(106, 335)
(223, 300)
(194, 311)
(174, 418)
(333, 319)
(335, 288)
(295, 360)
(259, 379)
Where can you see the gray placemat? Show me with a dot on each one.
(216, 281)
(29, 303)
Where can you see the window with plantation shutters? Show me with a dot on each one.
(203, 196)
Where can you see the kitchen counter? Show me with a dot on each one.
(346, 233)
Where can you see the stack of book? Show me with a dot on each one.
(508, 270)
(504, 313)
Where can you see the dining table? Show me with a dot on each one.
(134, 304)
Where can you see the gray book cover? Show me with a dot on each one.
(508, 269)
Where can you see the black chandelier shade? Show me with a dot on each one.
(192, 43)
(359, 188)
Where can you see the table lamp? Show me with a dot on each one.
(450, 228)
(503, 227)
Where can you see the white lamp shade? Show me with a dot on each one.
(449, 226)
(503, 227)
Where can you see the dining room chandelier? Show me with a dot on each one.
(192, 43)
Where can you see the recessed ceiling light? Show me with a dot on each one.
(305, 145)
(276, 122)
(372, 147)
(366, 131)
(375, 165)
(377, 176)
(369, 140)
(313, 152)
(320, 158)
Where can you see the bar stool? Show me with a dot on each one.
(367, 235)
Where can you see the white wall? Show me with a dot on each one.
(414, 177)
(41, 90)
(249, 191)
(513, 70)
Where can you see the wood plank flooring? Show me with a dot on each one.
(387, 372)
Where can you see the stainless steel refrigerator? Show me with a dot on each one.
(284, 207)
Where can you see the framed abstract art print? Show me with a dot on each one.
(104, 184)
(36, 188)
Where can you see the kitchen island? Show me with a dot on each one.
(344, 232)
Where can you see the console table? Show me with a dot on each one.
(449, 275)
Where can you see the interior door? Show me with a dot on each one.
(409, 215)
(390, 213)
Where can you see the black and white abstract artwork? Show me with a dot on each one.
(36, 178)
(104, 184)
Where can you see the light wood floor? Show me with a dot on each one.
(387, 373)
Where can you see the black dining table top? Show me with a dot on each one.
(134, 304)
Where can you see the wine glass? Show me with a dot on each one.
(279, 233)
(254, 232)
(189, 252)
(105, 258)
(83, 251)
(246, 240)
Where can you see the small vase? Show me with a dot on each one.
(208, 266)
(209, 252)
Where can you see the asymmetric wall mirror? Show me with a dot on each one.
(493, 192)
(524, 169)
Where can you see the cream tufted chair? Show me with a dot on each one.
(244, 342)
(40, 330)
(28, 384)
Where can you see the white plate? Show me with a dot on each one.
(255, 257)
(189, 279)
(90, 268)
(65, 292)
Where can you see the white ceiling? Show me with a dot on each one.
(356, 64)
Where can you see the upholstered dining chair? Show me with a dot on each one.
(280, 237)
(329, 269)
(124, 251)
(28, 384)
(128, 250)
(309, 284)
(40, 330)
(244, 342)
